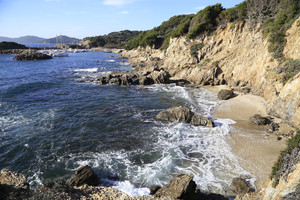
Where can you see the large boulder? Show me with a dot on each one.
(176, 114)
(13, 179)
(201, 121)
(259, 120)
(225, 94)
(181, 187)
(31, 55)
(183, 114)
(84, 175)
(159, 77)
(240, 186)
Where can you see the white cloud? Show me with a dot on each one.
(125, 12)
(200, 7)
(117, 2)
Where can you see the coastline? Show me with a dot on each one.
(255, 150)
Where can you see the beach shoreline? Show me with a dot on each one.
(256, 150)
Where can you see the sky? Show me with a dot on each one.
(84, 18)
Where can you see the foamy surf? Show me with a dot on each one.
(94, 69)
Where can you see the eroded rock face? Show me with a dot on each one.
(181, 187)
(183, 114)
(225, 94)
(31, 55)
(84, 175)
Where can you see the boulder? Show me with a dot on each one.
(16, 180)
(31, 55)
(259, 120)
(181, 187)
(176, 114)
(225, 94)
(201, 121)
(240, 186)
(159, 77)
(84, 175)
(145, 80)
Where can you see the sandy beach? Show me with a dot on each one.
(256, 151)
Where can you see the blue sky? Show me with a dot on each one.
(82, 18)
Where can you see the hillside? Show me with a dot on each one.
(11, 45)
(62, 39)
(112, 40)
(23, 40)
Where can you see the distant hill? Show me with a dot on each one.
(23, 40)
(112, 40)
(62, 39)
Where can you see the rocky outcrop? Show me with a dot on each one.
(181, 187)
(13, 179)
(183, 114)
(240, 186)
(259, 120)
(31, 55)
(225, 94)
(12, 51)
(84, 175)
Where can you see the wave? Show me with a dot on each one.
(94, 69)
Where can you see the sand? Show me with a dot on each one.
(256, 151)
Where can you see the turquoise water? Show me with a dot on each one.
(50, 125)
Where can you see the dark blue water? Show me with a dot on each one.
(50, 125)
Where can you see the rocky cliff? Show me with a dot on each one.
(237, 55)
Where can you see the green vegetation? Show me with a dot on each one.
(205, 20)
(112, 40)
(291, 68)
(160, 36)
(11, 45)
(291, 144)
(206, 60)
(238, 13)
(276, 27)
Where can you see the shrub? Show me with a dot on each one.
(238, 13)
(291, 144)
(195, 49)
(291, 69)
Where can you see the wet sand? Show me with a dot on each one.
(256, 151)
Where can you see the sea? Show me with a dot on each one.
(51, 125)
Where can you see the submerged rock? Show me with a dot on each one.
(31, 55)
(84, 175)
(183, 114)
(225, 94)
(181, 187)
(259, 120)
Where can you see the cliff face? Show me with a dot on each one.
(236, 55)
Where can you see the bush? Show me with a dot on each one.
(238, 13)
(292, 143)
(205, 20)
(291, 69)
(195, 49)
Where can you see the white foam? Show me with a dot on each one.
(94, 69)
(124, 63)
(110, 61)
(130, 189)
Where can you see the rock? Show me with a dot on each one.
(84, 175)
(240, 186)
(176, 114)
(159, 77)
(225, 94)
(31, 55)
(154, 189)
(201, 121)
(145, 80)
(13, 179)
(274, 126)
(259, 120)
(181, 187)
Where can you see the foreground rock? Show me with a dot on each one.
(183, 114)
(31, 55)
(225, 94)
(13, 179)
(84, 175)
(181, 187)
(240, 186)
(259, 120)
